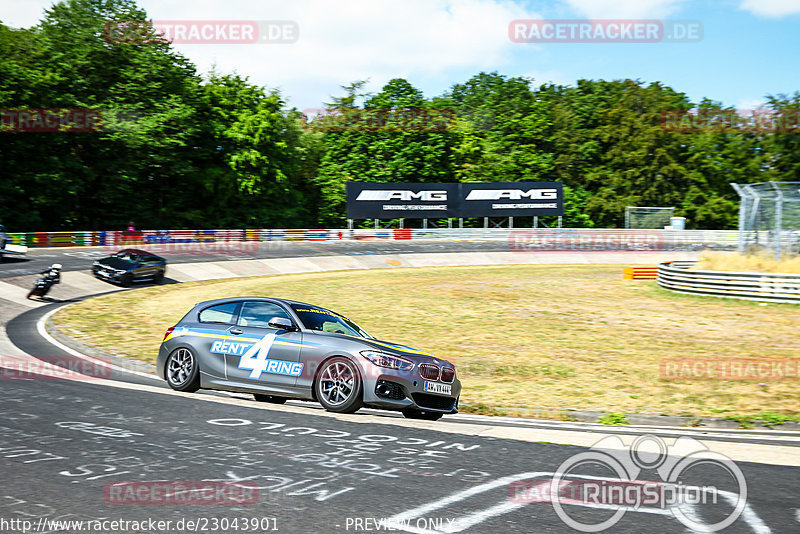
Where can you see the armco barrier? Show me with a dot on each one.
(518, 240)
(766, 287)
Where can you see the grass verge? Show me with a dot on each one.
(757, 263)
(563, 337)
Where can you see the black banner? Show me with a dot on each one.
(512, 199)
(370, 200)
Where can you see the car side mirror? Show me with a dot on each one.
(281, 323)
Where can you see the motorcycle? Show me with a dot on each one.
(43, 284)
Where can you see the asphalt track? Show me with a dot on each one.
(68, 445)
(81, 258)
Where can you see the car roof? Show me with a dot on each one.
(272, 299)
(137, 251)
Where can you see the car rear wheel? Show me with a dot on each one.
(338, 386)
(413, 413)
(269, 398)
(182, 370)
(159, 277)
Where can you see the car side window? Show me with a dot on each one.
(258, 314)
(221, 313)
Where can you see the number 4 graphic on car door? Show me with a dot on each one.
(255, 358)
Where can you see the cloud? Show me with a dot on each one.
(771, 8)
(625, 9)
(345, 41)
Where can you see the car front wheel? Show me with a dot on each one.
(182, 370)
(338, 386)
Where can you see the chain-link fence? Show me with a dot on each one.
(643, 217)
(769, 217)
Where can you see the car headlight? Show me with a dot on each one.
(381, 359)
(96, 264)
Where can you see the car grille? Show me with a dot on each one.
(389, 390)
(448, 374)
(429, 371)
(433, 402)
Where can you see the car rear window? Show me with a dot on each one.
(221, 313)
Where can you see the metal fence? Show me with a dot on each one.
(769, 218)
(517, 240)
(766, 287)
(648, 217)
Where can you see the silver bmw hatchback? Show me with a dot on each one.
(281, 349)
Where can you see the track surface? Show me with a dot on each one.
(81, 258)
(64, 444)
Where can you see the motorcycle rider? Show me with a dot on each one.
(52, 274)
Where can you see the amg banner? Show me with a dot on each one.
(512, 199)
(369, 200)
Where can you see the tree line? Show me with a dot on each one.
(174, 149)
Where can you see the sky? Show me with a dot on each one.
(749, 48)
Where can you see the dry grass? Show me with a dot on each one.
(758, 263)
(522, 336)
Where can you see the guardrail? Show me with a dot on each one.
(519, 239)
(766, 287)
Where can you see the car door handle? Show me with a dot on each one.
(235, 330)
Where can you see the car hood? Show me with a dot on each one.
(415, 355)
(116, 263)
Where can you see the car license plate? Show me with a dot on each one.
(435, 387)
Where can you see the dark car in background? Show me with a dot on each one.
(279, 349)
(130, 265)
(7, 247)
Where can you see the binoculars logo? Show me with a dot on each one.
(575, 482)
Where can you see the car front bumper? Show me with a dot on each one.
(396, 390)
(106, 274)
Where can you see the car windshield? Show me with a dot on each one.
(125, 255)
(324, 320)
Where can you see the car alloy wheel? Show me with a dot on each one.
(183, 373)
(338, 386)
